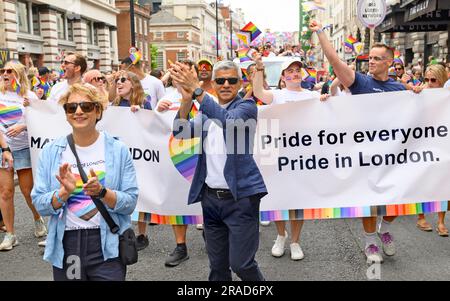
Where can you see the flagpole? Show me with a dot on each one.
(217, 30)
(301, 24)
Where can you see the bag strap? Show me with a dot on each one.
(98, 203)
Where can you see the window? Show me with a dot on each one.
(61, 25)
(95, 35)
(181, 56)
(111, 36)
(158, 35)
(36, 21)
(160, 60)
(23, 17)
(145, 27)
(70, 23)
(89, 36)
(180, 34)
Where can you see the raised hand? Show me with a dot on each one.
(93, 186)
(66, 178)
(314, 25)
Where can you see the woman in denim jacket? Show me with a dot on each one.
(80, 245)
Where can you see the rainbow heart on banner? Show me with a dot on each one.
(184, 152)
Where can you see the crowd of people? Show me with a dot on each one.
(229, 199)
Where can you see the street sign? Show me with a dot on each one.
(4, 57)
(371, 13)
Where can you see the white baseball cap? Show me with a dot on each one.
(288, 63)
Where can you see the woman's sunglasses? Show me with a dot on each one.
(231, 80)
(86, 107)
(432, 80)
(122, 80)
(8, 71)
(100, 78)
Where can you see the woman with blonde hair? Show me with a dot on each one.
(77, 226)
(14, 91)
(130, 92)
(435, 77)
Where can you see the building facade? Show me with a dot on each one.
(39, 33)
(418, 29)
(342, 15)
(201, 14)
(142, 12)
(175, 39)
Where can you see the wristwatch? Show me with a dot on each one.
(6, 149)
(102, 193)
(198, 92)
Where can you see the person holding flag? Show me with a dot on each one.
(381, 58)
(14, 91)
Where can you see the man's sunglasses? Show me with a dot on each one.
(8, 71)
(432, 80)
(399, 69)
(85, 106)
(231, 80)
(67, 63)
(121, 79)
(100, 78)
(205, 67)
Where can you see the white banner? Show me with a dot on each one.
(349, 152)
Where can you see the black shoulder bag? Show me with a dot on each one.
(127, 240)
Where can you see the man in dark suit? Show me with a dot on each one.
(227, 181)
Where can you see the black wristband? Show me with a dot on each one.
(6, 149)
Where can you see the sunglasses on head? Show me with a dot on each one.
(230, 80)
(8, 71)
(86, 107)
(431, 80)
(121, 80)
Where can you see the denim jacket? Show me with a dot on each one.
(120, 177)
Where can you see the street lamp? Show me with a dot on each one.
(231, 34)
(133, 31)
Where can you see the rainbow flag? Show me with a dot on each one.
(313, 5)
(309, 75)
(135, 57)
(245, 76)
(15, 85)
(245, 37)
(35, 82)
(250, 27)
(416, 82)
(397, 58)
(242, 54)
(350, 41)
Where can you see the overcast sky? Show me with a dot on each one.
(278, 15)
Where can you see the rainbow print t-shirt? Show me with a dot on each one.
(81, 210)
(12, 112)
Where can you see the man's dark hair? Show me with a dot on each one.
(79, 61)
